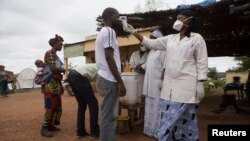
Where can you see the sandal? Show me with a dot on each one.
(45, 132)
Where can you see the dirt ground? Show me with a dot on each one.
(21, 117)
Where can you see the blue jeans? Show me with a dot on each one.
(109, 108)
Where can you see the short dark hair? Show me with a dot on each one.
(107, 12)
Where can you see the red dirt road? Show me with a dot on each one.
(21, 115)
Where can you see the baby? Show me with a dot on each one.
(40, 74)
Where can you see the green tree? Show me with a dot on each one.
(243, 63)
(212, 73)
(221, 75)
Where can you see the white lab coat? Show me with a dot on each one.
(152, 79)
(135, 60)
(185, 63)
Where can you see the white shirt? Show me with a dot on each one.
(135, 59)
(105, 39)
(153, 70)
(87, 70)
(185, 63)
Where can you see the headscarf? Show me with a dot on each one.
(53, 41)
(193, 22)
(187, 13)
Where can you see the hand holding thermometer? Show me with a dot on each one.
(124, 21)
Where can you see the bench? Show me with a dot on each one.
(238, 89)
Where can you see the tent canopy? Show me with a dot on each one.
(25, 79)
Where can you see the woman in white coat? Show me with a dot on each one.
(152, 88)
(186, 69)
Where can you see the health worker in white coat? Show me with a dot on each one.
(137, 59)
(186, 65)
(152, 88)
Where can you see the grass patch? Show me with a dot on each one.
(218, 83)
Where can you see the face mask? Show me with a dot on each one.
(143, 48)
(179, 24)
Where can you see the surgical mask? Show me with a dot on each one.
(179, 24)
(143, 48)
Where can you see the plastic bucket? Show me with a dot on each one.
(130, 80)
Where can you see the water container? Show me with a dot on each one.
(130, 81)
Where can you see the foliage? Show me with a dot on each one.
(151, 5)
(212, 73)
(243, 64)
(221, 75)
(218, 83)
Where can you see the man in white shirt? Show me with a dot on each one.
(137, 59)
(186, 68)
(109, 82)
(79, 80)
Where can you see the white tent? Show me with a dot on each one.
(25, 79)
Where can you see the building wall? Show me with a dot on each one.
(242, 74)
(127, 45)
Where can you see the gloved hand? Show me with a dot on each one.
(200, 91)
(128, 28)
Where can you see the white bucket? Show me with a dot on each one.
(130, 80)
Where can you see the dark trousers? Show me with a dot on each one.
(4, 86)
(84, 95)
